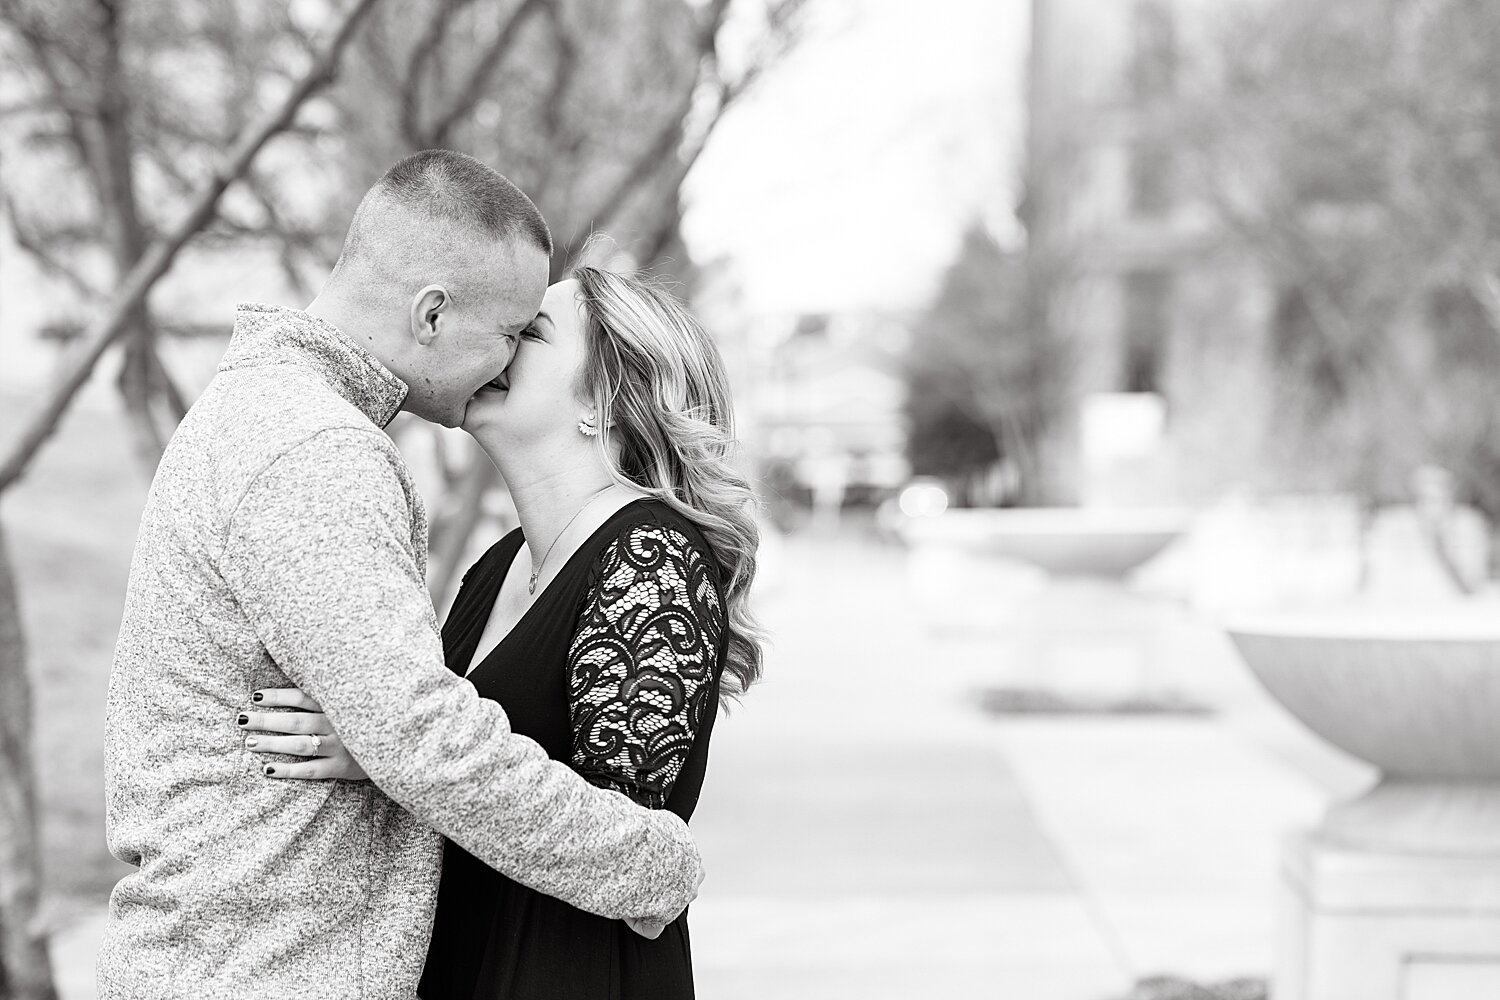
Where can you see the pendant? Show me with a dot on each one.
(531, 587)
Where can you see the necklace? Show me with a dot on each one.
(536, 570)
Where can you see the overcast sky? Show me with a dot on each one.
(846, 177)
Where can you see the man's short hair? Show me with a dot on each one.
(451, 186)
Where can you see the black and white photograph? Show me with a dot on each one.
(749, 499)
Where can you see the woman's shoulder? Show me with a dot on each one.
(648, 533)
(651, 558)
(648, 518)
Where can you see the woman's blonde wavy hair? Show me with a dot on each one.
(664, 408)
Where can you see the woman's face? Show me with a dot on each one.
(540, 396)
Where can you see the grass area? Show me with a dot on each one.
(71, 524)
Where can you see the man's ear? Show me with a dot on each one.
(427, 307)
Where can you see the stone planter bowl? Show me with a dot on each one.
(1415, 694)
(1063, 541)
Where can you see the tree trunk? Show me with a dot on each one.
(126, 236)
(138, 391)
(25, 967)
(458, 527)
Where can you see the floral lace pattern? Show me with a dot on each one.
(642, 664)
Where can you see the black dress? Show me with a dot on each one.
(614, 669)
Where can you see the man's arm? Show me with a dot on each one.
(319, 554)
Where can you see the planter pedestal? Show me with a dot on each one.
(1396, 896)
(1438, 819)
(1360, 924)
(1082, 633)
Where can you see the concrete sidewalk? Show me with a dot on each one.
(871, 834)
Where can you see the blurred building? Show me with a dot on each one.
(823, 407)
(1155, 299)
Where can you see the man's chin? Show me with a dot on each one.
(477, 407)
(445, 418)
(432, 415)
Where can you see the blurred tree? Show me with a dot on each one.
(71, 64)
(1353, 147)
(126, 108)
(985, 372)
(24, 969)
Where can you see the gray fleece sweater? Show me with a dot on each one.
(283, 544)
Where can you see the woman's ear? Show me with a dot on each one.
(426, 310)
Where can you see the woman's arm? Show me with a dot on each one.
(643, 661)
(642, 666)
(641, 672)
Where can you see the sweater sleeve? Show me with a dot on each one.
(319, 553)
(643, 660)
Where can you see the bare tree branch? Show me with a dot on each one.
(166, 388)
(45, 52)
(481, 74)
(290, 240)
(564, 72)
(165, 162)
(417, 64)
(35, 244)
(159, 259)
(136, 383)
(18, 108)
(667, 140)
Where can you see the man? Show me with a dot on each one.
(283, 544)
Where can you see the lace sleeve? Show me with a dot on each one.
(642, 663)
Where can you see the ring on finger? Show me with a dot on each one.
(317, 744)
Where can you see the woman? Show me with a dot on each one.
(610, 625)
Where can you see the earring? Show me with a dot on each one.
(586, 426)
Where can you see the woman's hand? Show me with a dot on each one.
(302, 733)
(648, 929)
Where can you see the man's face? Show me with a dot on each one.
(478, 331)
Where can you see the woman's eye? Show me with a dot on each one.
(530, 332)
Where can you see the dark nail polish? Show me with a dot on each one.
(243, 720)
(257, 696)
(270, 770)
